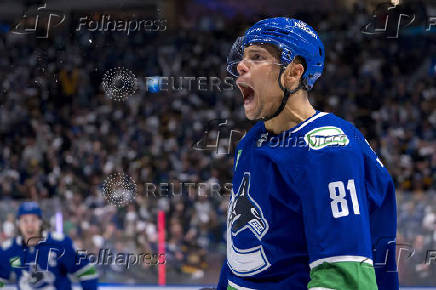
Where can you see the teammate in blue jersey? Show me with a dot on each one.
(42, 260)
(312, 206)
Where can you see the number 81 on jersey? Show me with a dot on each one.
(339, 204)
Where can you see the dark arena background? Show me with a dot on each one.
(118, 117)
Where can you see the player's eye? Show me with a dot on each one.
(256, 56)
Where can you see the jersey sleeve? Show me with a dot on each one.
(223, 280)
(78, 265)
(336, 219)
(5, 268)
(383, 223)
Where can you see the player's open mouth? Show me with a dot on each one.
(31, 234)
(247, 92)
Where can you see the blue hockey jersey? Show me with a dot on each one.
(45, 265)
(313, 196)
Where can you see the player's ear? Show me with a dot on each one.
(291, 77)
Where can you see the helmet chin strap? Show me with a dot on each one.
(286, 94)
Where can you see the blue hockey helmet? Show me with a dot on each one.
(292, 37)
(29, 207)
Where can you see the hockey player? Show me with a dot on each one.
(42, 260)
(312, 205)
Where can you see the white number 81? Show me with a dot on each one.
(337, 194)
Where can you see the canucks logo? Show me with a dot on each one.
(246, 215)
(15, 262)
(36, 278)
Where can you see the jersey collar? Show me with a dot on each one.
(309, 120)
(44, 235)
(297, 127)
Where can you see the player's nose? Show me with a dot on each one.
(242, 67)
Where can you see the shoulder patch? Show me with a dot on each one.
(7, 244)
(57, 236)
(321, 137)
(15, 262)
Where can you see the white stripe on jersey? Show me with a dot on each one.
(311, 119)
(234, 285)
(337, 259)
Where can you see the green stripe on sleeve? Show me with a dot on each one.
(89, 272)
(343, 276)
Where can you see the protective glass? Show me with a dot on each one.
(236, 55)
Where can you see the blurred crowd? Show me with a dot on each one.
(416, 239)
(61, 136)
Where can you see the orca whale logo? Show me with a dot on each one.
(245, 214)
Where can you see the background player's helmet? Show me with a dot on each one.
(29, 207)
(292, 37)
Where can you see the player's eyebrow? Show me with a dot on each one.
(250, 50)
(255, 49)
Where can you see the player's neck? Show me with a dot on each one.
(297, 109)
(32, 241)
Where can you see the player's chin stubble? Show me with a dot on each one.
(255, 113)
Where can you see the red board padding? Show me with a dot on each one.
(161, 247)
